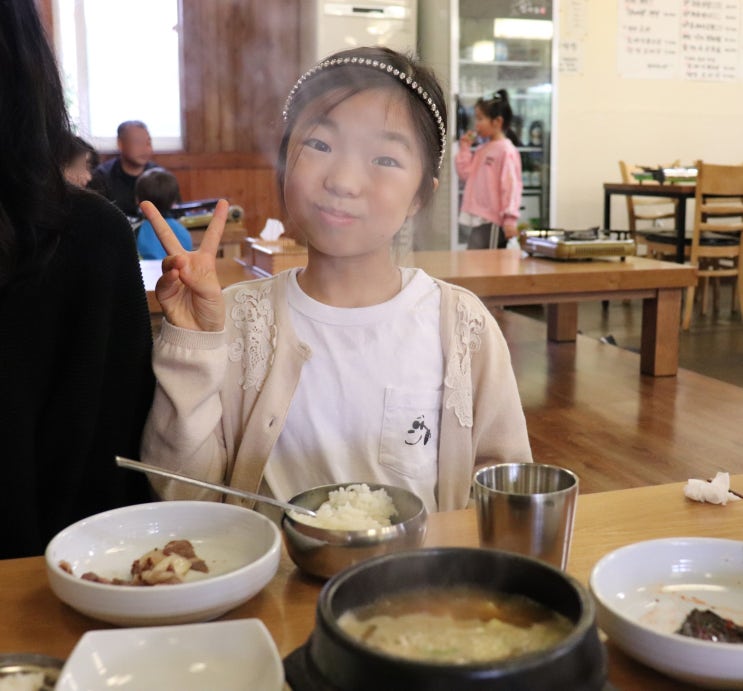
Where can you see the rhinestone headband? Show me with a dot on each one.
(384, 67)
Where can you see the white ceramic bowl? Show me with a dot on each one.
(241, 549)
(222, 655)
(644, 591)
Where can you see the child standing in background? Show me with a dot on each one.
(492, 193)
(352, 369)
(160, 187)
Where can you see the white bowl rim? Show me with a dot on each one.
(182, 587)
(247, 623)
(253, 625)
(676, 637)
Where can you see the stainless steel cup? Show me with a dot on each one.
(527, 508)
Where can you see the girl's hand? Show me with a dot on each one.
(468, 138)
(189, 290)
(510, 227)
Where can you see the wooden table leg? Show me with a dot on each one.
(562, 321)
(659, 350)
(680, 230)
(607, 210)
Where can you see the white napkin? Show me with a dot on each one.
(273, 230)
(715, 492)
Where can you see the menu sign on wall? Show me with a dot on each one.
(679, 39)
(648, 35)
(573, 30)
(710, 39)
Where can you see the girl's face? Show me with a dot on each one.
(353, 174)
(486, 127)
(78, 172)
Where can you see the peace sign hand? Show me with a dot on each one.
(189, 290)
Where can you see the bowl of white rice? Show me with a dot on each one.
(354, 522)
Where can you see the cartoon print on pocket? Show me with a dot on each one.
(418, 432)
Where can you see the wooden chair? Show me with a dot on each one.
(647, 209)
(717, 240)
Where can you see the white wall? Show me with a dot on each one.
(602, 118)
(435, 18)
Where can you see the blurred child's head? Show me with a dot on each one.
(77, 160)
(158, 186)
(351, 72)
(491, 109)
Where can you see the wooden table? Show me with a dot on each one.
(33, 620)
(505, 278)
(672, 191)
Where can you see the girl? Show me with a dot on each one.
(351, 369)
(492, 193)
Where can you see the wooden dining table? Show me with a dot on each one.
(505, 277)
(33, 620)
(681, 193)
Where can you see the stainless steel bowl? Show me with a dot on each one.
(323, 553)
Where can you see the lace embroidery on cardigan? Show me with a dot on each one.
(459, 368)
(253, 317)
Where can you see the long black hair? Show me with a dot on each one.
(34, 129)
(497, 106)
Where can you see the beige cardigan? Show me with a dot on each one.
(222, 398)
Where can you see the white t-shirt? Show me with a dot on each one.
(368, 404)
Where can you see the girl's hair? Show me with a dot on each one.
(34, 132)
(327, 85)
(497, 106)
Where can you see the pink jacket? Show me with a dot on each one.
(493, 180)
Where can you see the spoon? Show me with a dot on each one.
(155, 470)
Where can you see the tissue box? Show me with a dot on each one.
(269, 258)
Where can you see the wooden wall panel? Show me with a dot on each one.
(254, 189)
(192, 115)
(239, 59)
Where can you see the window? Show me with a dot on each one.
(120, 61)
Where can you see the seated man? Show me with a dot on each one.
(115, 178)
(160, 187)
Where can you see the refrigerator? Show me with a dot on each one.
(478, 47)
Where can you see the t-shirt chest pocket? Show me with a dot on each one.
(410, 430)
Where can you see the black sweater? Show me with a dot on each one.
(75, 380)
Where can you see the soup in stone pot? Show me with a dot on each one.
(456, 625)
